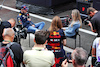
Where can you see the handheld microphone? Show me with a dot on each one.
(27, 15)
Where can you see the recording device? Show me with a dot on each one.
(65, 20)
(69, 57)
(27, 15)
(20, 32)
(87, 20)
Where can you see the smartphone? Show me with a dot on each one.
(69, 57)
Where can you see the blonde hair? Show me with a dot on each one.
(76, 17)
(55, 24)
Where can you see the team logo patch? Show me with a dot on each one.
(20, 14)
(54, 33)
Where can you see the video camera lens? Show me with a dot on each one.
(19, 26)
(20, 32)
(23, 33)
(87, 20)
(65, 21)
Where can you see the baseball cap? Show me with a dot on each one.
(24, 7)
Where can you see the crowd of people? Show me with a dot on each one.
(48, 48)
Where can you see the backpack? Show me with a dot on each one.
(7, 56)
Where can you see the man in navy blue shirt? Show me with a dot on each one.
(23, 18)
(6, 24)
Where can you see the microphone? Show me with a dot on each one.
(27, 15)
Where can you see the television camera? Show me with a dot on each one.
(87, 20)
(65, 20)
(20, 32)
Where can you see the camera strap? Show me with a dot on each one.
(6, 41)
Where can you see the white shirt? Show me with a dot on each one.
(97, 46)
(36, 58)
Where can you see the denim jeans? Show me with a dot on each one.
(38, 26)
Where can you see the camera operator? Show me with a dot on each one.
(79, 58)
(95, 20)
(6, 24)
(95, 27)
(20, 32)
(23, 18)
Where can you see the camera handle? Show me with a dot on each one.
(18, 37)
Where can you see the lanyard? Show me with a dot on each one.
(6, 41)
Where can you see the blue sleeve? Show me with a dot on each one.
(27, 22)
(63, 37)
(72, 29)
(19, 18)
(31, 22)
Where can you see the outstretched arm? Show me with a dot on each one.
(90, 24)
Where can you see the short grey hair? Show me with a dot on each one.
(8, 31)
(80, 56)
